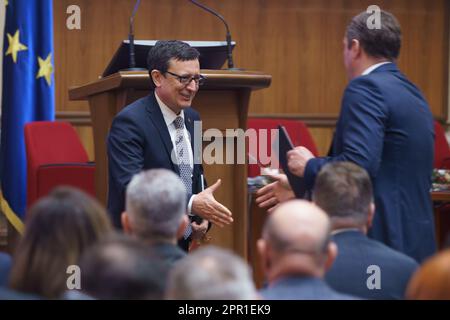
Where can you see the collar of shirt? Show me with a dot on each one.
(168, 114)
(373, 67)
(335, 232)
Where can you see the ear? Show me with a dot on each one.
(182, 227)
(157, 77)
(370, 215)
(125, 219)
(332, 253)
(356, 48)
(263, 248)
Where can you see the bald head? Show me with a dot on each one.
(298, 226)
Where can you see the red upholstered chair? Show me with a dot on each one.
(55, 156)
(441, 148)
(296, 129)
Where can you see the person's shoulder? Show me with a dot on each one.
(394, 256)
(191, 112)
(135, 108)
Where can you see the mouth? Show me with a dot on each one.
(186, 96)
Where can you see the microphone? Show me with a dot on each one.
(132, 54)
(228, 37)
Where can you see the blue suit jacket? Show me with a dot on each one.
(356, 252)
(386, 127)
(139, 140)
(302, 288)
(5, 268)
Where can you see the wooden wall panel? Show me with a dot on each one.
(298, 42)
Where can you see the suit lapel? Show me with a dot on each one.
(159, 123)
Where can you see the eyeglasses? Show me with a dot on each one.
(185, 80)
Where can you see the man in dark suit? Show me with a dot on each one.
(157, 131)
(386, 127)
(296, 251)
(364, 267)
(155, 212)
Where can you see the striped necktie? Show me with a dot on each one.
(181, 147)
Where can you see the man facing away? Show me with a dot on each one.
(296, 252)
(364, 267)
(156, 212)
(385, 126)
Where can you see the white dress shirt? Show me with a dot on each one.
(169, 118)
(373, 67)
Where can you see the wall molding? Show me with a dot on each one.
(83, 118)
(311, 119)
(76, 118)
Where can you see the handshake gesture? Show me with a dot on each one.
(207, 207)
(279, 191)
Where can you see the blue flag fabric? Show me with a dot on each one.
(28, 94)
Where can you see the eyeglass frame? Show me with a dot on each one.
(200, 80)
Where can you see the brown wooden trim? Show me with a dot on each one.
(313, 120)
(76, 118)
(83, 118)
(140, 80)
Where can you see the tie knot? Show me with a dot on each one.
(179, 122)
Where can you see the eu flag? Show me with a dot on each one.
(28, 94)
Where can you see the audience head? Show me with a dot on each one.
(344, 191)
(432, 280)
(211, 273)
(60, 227)
(155, 206)
(121, 267)
(296, 241)
(365, 42)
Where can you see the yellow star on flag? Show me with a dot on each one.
(14, 45)
(6, 3)
(45, 69)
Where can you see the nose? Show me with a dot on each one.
(192, 85)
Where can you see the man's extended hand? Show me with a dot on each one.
(207, 207)
(275, 192)
(297, 160)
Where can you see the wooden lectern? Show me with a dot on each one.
(222, 103)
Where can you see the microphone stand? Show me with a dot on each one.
(132, 53)
(228, 36)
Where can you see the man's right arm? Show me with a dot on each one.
(125, 159)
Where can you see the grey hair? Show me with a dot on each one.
(156, 203)
(211, 273)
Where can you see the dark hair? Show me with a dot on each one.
(60, 227)
(378, 43)
(120, 267)
(344, 190)
(160, 54)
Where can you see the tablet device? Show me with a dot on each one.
(285, 144)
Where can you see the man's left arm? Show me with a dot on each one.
(361, 130)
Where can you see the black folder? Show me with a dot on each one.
(285, 144)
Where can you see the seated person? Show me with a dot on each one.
(61, 226)
(296, 252)
(211, 273)
(121, 267)
(432, 280)
(156, 212)
(363, 267)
